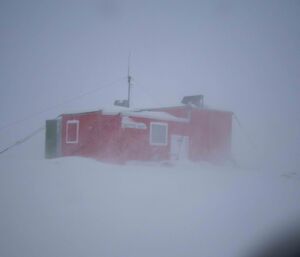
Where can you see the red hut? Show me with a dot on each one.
(189, 131)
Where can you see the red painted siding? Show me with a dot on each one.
(220, 136)
(136, 142)
(210, 132)
(199, 133)
(98, 135)
(178, 111)
(102, 136)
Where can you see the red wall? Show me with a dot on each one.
(210, 135)
(102, 137)
(178, 111)
(98, 135)
(209, 131)
(199, 135)
(136, 142)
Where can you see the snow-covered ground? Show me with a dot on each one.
(81, 207)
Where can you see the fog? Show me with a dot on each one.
(242, 56)
(60, 56)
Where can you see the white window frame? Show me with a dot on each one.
(167, 132)
(77, 132)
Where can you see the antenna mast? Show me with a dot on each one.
(126, 103)
(129, 81)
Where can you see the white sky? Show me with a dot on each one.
(244, 56)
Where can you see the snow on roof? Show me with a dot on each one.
(131, 112)
(151, 113)
(205, 107)
(117, 110)
(110, 109)
(146, 114)
(158, 116)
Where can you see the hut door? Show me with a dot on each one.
(179, 147)
(53, 138)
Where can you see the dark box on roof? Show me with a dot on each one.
(196, 100)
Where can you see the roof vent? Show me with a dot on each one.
(123, 103)
(193, 100)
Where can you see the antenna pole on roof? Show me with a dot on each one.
(129, 80)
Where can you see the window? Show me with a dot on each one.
(158, 133)
(72, 133)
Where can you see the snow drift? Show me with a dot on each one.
(81, 207)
